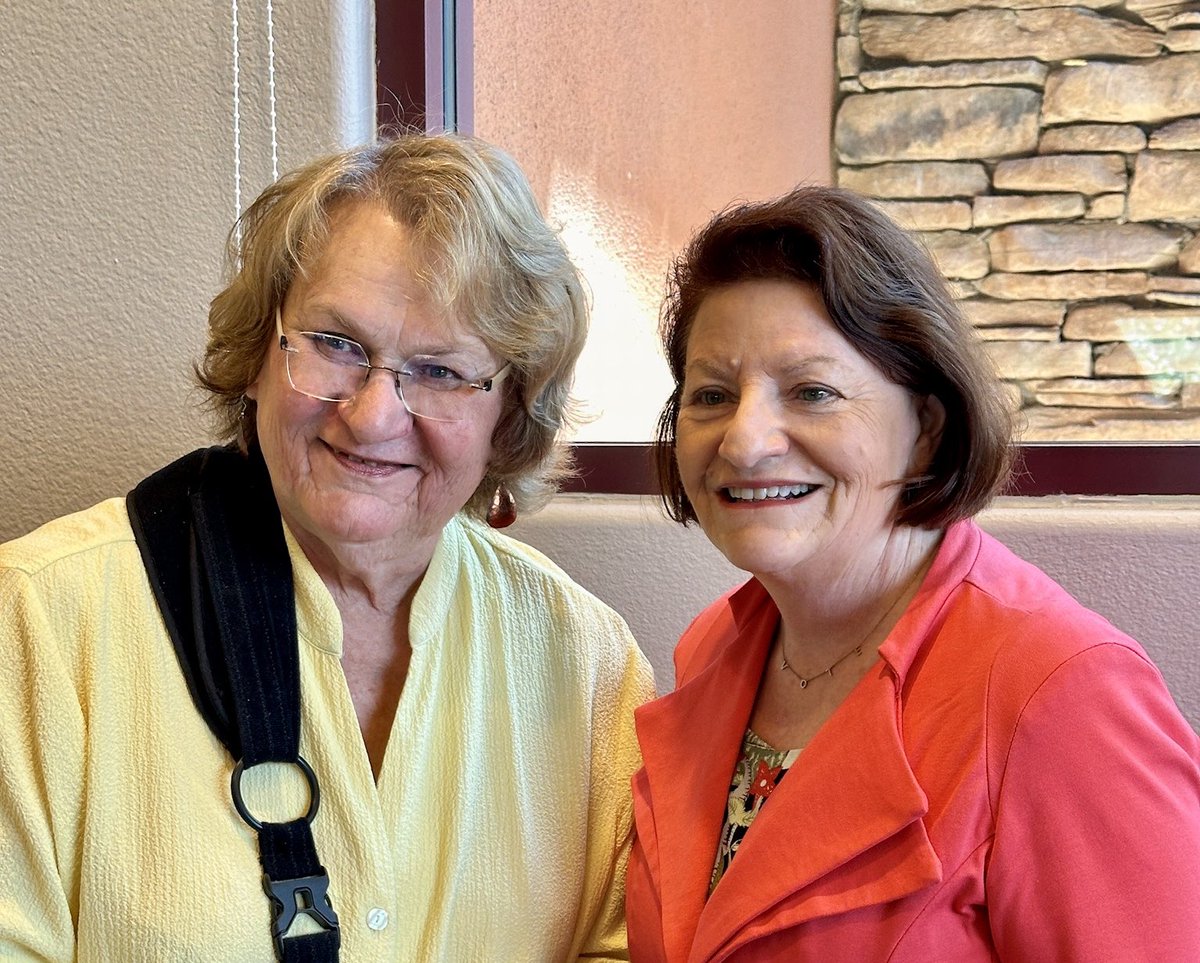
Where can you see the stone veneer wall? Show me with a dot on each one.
(1048, 152)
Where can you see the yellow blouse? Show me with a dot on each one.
(499, 827)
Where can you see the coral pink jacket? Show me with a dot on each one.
(1011, 781)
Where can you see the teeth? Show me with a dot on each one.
(775, 491)
(361, 461)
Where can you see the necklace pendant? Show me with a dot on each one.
(856, 651)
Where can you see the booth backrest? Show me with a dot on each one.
(1134, 560)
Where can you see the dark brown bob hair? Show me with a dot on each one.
(886, 296)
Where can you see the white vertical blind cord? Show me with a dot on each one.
(237, 127)
(271, 90)
(235, 14)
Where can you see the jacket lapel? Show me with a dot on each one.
(844, 830)
(690, 742)
(851, 794)
(845, 827)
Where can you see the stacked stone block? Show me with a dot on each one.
(1048, 153)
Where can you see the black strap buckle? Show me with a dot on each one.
(308, 895)
(287, 849)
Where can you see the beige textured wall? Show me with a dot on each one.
(118, 189)
(635, 122)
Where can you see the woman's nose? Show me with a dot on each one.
(754, 432)
(376, 411)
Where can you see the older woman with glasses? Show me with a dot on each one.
(294, 697)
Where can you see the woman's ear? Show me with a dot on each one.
(931, 416)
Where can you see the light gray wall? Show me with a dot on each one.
(118, 174)
(1134, 560)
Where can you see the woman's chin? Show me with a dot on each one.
(758, 559)
(347, 523)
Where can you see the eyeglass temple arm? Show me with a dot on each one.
(486, 384)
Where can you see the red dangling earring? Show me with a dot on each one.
(503, 510)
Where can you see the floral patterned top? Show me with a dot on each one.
(755, 777)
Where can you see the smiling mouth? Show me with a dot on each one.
(778, 493)
(369, 462)
(366, 464)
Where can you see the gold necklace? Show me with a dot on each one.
(857, 650)
(784, 664)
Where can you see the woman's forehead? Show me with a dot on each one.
(411, 330)
(784, 319)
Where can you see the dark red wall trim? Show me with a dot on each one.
(410, 44)
(1108, 470)
(627, 469)
(400, 63)
(614, 469)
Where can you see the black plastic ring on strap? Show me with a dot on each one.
(314, 793)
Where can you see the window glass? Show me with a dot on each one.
(635, 123)
(1063, 207)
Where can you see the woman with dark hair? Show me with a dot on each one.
(897, 741)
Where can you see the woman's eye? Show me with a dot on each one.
(430, 371)
(708, 397)
(335, 346)
(815, 393)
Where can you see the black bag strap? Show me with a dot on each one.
(212, 542)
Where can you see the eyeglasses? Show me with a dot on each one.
(329, 367)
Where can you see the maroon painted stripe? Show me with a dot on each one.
(626, 469)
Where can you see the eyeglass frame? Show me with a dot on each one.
(480, 384)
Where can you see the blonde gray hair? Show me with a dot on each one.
(482, 251)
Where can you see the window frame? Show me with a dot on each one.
(424, 80)
(424, 76)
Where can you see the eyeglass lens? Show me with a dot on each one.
(336, 369)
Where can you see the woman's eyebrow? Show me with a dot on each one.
(704, 366)
(805, 365)
(476, 352)
(331, 317)
(790, 368)
(321, 316)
